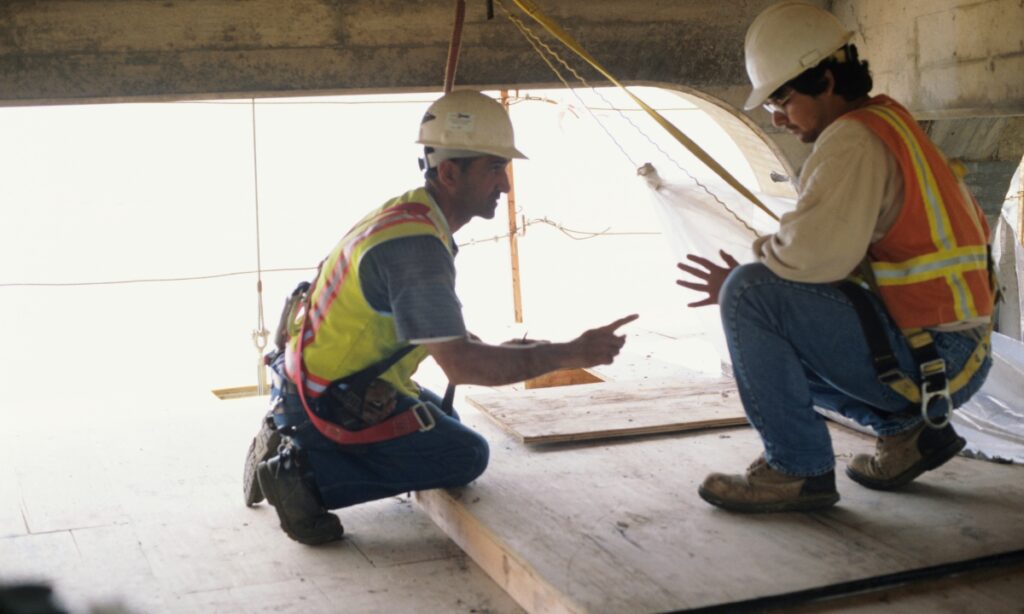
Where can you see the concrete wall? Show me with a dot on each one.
(943, 58)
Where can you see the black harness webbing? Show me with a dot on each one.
(934, 394)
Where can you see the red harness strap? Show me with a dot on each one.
(417, 418)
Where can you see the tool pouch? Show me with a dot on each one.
(357, 402)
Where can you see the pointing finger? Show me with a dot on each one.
(620, 322)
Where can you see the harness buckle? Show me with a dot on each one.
(423, 417)
(891, 376)
(935, 387)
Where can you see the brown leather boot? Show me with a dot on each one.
(263, 447)
(900, 458)
(763, 489)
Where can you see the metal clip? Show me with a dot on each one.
(930, 371)
(423, 416)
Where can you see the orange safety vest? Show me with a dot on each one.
(931, 267)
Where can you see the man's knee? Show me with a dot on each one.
(741, 279)
(478, 455)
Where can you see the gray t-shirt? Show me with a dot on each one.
(413, 279)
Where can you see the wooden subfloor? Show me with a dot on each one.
(140, 504)
(606, 410)
(618, 527)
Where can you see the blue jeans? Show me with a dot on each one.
(796, 345)
(448, 455)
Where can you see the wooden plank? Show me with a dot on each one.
(618, 526)
(614, 409)
(492, 554)
(238, 392)
(562, 377)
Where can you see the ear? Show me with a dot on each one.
(830, 82)
(448, 173)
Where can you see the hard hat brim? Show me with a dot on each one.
(508, 153)
(761, 94)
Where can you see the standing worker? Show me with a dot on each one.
(348, 421)
(873, 299)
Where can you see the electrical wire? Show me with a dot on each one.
(576, 235)
(148, 280)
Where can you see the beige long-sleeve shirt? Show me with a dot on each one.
(851, 192)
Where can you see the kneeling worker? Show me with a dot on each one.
(874, 297)
(351, 424)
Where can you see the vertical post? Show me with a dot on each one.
(513, 244)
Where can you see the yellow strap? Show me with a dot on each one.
(906, 387)
(531, 9)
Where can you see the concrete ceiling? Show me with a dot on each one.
(959, 62)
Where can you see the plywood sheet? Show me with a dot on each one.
(613, 409)
(618, 526)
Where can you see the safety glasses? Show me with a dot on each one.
(778, 105)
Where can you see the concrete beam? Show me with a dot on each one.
(54, 51)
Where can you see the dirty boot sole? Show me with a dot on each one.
(263, 446)
(806, 503)
(935, 459)
(312, 531)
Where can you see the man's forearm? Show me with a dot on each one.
(472, 362)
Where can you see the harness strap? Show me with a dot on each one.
(449, 398)
(417, 419)
(935, 386)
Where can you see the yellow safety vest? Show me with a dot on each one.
(342, 333)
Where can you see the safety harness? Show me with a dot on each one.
(417, 418)
(934, 395)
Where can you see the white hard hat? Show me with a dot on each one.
(467, 122)
(786, 39)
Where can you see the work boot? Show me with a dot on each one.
(763, 489)
(900, 458)
(264, 445)
(302, 515)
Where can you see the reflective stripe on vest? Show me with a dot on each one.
(931, 267)
(343, 334)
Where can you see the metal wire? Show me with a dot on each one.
(538, 44)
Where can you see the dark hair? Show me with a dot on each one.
(851, 75)
(431, 173)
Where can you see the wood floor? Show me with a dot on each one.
(138, 502)
(605, 410)
(141, 505)
(618, 526)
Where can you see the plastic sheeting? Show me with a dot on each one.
(696, 223)
(993, 420)
(1008, 255)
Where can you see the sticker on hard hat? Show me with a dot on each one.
(460, 122)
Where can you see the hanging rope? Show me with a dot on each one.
(260, 334)
(454, 46)
(543, 50)
(531, 9)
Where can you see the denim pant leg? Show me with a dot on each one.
(794, 344)
(448, 455)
